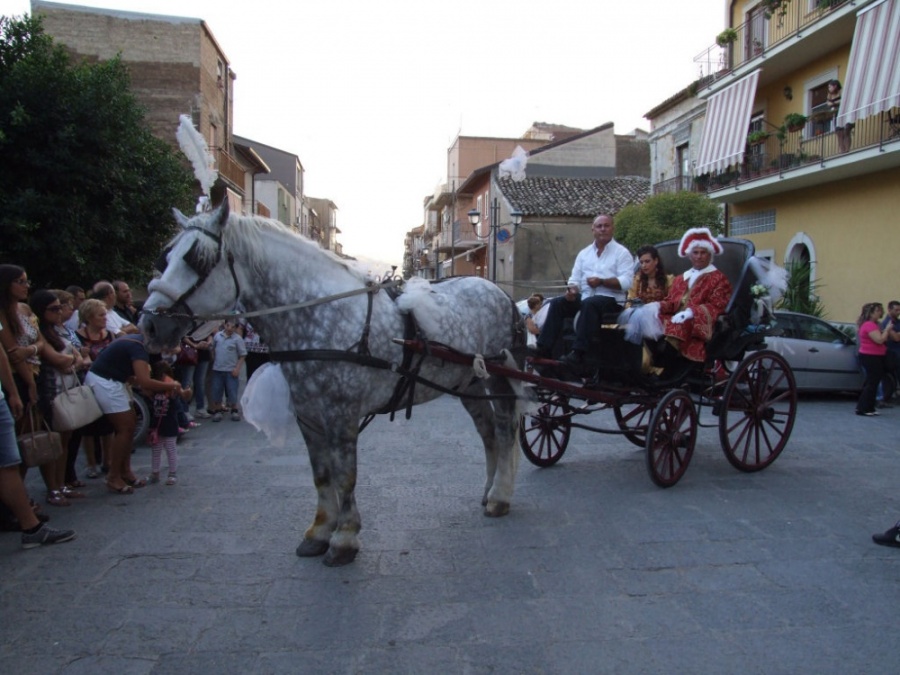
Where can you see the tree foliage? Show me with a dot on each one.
(664, 217)
(86, 190)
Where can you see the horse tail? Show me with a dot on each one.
(526, 401)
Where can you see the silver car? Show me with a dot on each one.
(822, 357)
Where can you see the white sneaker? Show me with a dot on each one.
(202, 414)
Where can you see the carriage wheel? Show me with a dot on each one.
(632, 419)
(757, 412)
(544, 434)
(671, 437)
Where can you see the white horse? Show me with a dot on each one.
(338, 357)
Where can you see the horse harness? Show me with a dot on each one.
(407, 371)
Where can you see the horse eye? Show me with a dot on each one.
(162, 262)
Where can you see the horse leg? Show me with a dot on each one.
(495, 422)
(316, 538)
(332, 456)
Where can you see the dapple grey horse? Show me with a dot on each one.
(221, 261)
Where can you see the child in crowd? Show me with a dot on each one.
(164, 430)
(228, 354)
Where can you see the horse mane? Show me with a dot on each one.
(243, 236)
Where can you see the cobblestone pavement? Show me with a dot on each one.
(596, 570)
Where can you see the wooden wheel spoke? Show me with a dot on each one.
(670, 438)
(761, 400)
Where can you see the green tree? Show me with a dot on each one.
(664, 217)
(86, 190)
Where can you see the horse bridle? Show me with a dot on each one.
(203, 270)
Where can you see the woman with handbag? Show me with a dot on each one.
(60, 361)
(21, 340)
(35, 531)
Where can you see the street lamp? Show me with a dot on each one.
(516, 219)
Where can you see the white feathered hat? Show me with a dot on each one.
(702, 237)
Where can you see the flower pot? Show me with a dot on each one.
(796, 127)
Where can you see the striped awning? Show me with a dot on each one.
(872, 83)
(727, 123)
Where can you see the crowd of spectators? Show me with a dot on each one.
(59, 338)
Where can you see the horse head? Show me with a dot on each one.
(197, 278)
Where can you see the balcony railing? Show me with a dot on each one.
(229, 169)
(758, 35)
(677, 184)
(818, 141)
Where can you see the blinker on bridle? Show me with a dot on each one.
(202, 267)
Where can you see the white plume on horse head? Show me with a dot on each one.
(194, 147)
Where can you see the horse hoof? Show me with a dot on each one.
(496, 509)
(340, 556)
(310, 548)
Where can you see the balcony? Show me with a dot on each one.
(677, 184)
(758, 40)
(817, 154)
(229, 169)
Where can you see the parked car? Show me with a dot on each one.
(822, 357)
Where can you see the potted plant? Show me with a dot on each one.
(726, 37)
(757, 137)
(795, 121)
(773, 7)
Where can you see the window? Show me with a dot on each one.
(757, 32)
(213, 137)
(683, 159)
(752, 223)
(822, 116)
(818, 331)
(756, 154)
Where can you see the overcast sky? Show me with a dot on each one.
(371, 94)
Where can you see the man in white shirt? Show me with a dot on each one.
(115, 324)
(600, 278)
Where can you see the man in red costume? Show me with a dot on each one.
(696, 297)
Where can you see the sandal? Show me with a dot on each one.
(172, 479)
(136, 482)
(69, 493)
(124, 490)
(76, 484)
(93, 472)
(56, 498)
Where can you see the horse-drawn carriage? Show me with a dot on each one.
(333, 332)
(749, 388)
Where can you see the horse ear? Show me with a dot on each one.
(220, 215)
(180, 218)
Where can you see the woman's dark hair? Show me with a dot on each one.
(9, 307)
(660, 269)
(40, 301)
(836, 83)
